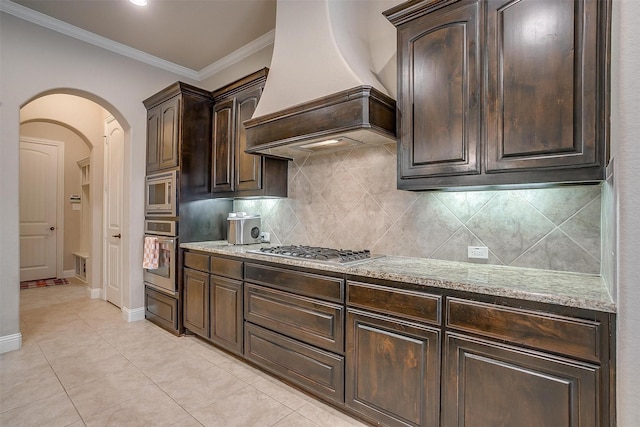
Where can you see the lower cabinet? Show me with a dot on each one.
(213, 299)
(294, 327)
(487, 384)
(196, 302)
(161, 309)
(317, 371)
(393, 370)
(401, 354)
(225, 318)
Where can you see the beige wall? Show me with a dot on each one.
(75, 149)
(255, 62)
(625, 144)
(37, 61)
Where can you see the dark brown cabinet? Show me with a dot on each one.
(161, 309)
(440, 94)
(496, 92)
(226, 313)
(234, 172)
(196, 302)
(392, 374)
(520, 367)
(393, 370)
(401, 354)
(213, 299)
(223, 162)
(488, 384)
(294, 327)
(162, 135)
(179, 133)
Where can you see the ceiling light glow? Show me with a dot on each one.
(139, 2)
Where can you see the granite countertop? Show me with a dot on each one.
(554, 287)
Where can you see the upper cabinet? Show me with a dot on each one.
(234, 172)
(162, 135)
(179, 136)
(496, 92)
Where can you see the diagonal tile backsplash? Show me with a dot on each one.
(349, 199)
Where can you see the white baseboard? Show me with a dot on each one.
(68, 274)
(10, 342)
(94, 293)
(132, 315)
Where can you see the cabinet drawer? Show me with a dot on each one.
(225, 267)
(565, 335)
(161, 309)
(408, 304)
(313, 321)
(196, 261)
(315, 370)
(307, 284)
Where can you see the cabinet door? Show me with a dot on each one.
(223, 146)
(248, 166)
(161, 309)
(439, 94)
(393, 370)
(169, 137)
(226, 313)
(488, 384)
(153, 139)
(196, 302)
(542, 84)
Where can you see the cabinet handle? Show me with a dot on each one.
(117, 235)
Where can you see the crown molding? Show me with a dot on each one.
(238, 55)
(46, 21)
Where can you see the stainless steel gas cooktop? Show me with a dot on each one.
(319, 254)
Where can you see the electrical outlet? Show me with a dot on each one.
(479, 252)
(265, 237)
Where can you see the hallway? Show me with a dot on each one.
(81, 364)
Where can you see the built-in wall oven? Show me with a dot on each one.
(164, 235)
(161, 198)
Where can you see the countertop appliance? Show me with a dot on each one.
(320, 254)
(242, 228)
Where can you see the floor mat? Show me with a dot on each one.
(42, 283)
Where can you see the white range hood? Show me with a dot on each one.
(320, 93)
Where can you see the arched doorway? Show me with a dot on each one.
(85, 117)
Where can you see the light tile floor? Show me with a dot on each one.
(81, 364)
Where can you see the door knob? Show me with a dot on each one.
(52, 228)
(117, 235)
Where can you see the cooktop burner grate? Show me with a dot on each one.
(316, 253)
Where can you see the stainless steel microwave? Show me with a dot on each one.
(161, 194)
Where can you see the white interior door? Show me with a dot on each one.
(114, 149)
(40, 171)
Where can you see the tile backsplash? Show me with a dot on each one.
(349, 199)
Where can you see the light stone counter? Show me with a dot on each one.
(554, 287)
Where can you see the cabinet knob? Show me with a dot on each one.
(52, 228)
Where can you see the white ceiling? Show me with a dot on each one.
(191, 34)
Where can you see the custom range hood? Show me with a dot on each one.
(320, 94)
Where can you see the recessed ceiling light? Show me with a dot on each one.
(139, 2)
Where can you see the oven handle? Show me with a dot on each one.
(162, 239)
